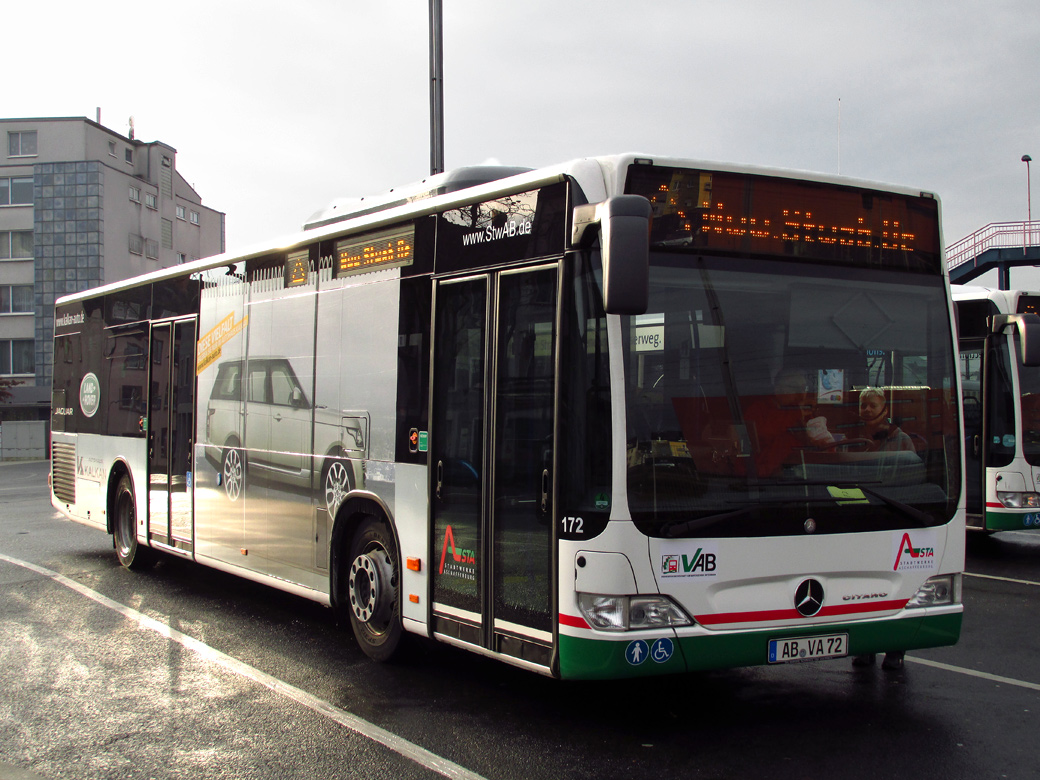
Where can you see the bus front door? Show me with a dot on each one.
(491, 435)
(171, 425)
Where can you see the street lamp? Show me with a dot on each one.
(1029, 205)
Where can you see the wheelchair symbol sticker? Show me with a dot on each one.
(662, 650)
(636, 652)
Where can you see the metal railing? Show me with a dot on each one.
(996, 235)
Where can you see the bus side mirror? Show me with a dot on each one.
(623, 224)
(1028, 326)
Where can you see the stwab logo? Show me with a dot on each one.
(463, 563)
(919, 556)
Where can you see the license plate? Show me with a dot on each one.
(808, 648)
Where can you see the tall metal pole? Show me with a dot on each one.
(1029, 204)
(436, 90)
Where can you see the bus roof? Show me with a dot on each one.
(598, 177)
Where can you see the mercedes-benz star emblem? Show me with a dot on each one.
(808, 599)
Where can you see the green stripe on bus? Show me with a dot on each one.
(597, 659)
(1011, 521)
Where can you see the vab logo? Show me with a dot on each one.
(701, 564)
(808, 599)
(910, 557)
(463, 559)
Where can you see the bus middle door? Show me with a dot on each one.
(495, 360)
(171, 426)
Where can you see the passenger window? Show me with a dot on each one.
(257, 385)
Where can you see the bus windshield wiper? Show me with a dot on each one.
(683, 529)
(923, 518)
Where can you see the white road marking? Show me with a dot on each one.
(1001, 579)
(346, 719)
(973, 673)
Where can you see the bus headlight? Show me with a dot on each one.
(631, 613)
(1019, 500)
(943, 589)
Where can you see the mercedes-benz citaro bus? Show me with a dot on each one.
(999, 334)
(600, 420)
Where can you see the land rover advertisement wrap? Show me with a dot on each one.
(279, 444)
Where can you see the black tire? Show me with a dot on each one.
(233, 472)
(124, 528)
(371, 592)
(337, 479)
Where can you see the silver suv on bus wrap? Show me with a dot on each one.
(275, 446)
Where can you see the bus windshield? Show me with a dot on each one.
(770, 397)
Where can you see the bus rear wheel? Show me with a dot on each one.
(124, 532)
(373, 591)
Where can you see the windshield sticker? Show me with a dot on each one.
(830, 386)
(915, 552)
(650, 339)
(702, 562)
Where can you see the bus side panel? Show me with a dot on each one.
(87, 460)
(412, 508)
(220, 417)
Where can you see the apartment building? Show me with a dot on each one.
(81, 206)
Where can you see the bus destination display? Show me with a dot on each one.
(297, 267)
(387, 249)
(745, 214)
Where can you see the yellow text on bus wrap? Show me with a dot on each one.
(210, 344)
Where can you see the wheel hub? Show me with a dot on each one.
(369, 586)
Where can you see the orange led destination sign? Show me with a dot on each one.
(386, 249)
(753, 214)
(297, 266)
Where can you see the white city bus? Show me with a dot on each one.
(999, 330)
(524, 416)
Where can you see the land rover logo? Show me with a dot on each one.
(808, 599)
(89, 395)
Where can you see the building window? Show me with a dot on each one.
(181, 257)
(16, 191)
(16, 245)
(129, 154)
(180, 212)
(135, 194)
(16, 299)
(22, 143)
(194, 217)
(112, 148)
(17, 357)
(151, 201)
(136, 244)
(151, 249)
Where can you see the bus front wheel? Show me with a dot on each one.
(373, 591)
(124, 531)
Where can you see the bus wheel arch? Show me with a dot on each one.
(366, 578)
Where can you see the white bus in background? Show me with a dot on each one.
(520, 412)
(999, 334)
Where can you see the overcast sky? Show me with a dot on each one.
(277, 108)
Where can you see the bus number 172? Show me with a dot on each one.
(573, 525)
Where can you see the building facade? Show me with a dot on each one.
(81, 206)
